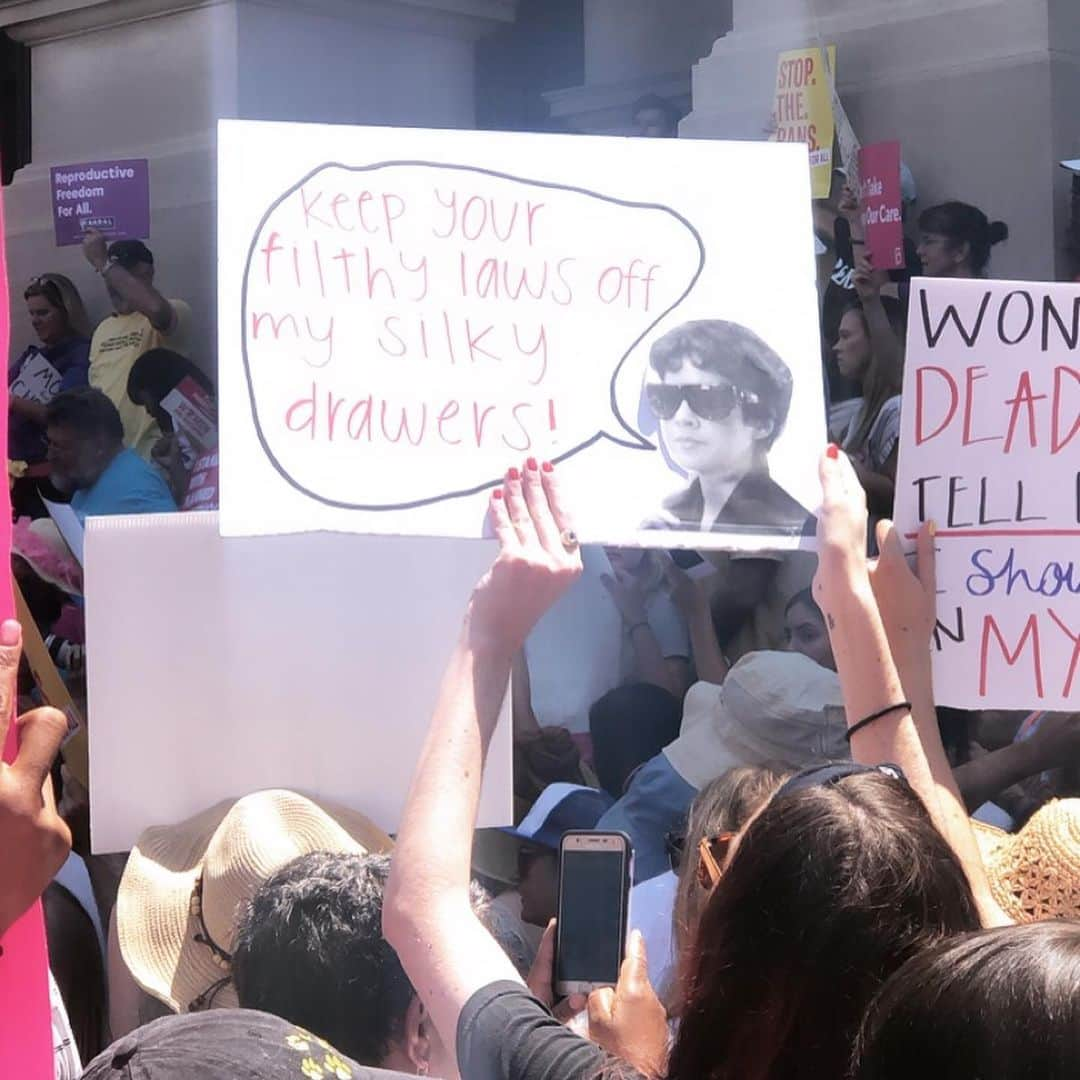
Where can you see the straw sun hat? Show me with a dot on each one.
(176, 908)
(1035, 873)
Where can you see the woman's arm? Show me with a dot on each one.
(692, 600)
(650, 664)
(880, 622)
(427, 917)
(887, 348)
(521, 710)
(1054, 743)
(33, 411)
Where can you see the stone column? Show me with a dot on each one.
(981, 94)
(636, 47)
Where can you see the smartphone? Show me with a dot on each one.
(691, 563)
(595, 870)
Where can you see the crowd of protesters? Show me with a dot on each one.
(832, 877)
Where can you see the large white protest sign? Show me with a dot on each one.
(990, 452)
(405, 314)
(220, 667)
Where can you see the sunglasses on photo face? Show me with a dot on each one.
(714, 401)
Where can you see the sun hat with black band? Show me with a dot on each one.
(1035, 873)
(176, 907)
(226, 1044)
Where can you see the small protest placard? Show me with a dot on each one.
(37, 380)
(803, 110)
(416, 311)
(110, 196)
(879, 172)
(989, 452)
(193, 414)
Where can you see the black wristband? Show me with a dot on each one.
(866, 721)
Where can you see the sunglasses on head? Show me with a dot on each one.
(833, 773)
(49, 288)
(712, 854)
(711, 402)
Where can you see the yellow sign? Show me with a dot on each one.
(802, 110)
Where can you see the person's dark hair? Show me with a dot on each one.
(717, 346)
(629, 725)
(129, 253)
(654, 102)
(805, 597)
(160, 371)
(828, 891)
(1003, 1003)
(86, 411)
(310, 948)
(880, 382)
(78, 967)
(725, 804)
(961, 223)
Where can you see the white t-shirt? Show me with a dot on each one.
(883, 437)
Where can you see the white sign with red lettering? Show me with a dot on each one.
(406, 314)
(990, 452)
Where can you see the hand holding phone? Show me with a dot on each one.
(629, 1022)
(593, 910)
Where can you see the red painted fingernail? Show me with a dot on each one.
(531, 464)
(497, 493)
(513, 474)
(548, 467)
(832, 451)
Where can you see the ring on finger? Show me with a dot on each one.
(569, 540)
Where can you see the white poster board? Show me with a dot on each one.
(408, 313)
(990, 451)
(37, 380)
(221, 667)
(68, 526)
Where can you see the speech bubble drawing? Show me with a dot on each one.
(409, 326)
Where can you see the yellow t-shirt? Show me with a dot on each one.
(117, 343)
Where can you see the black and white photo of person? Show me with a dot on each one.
(721, 397)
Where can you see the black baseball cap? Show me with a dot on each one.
(129, 253)
(226, 1044)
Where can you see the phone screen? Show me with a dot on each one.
(591, 923)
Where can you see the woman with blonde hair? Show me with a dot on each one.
(59, 361)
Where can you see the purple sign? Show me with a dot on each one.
(110, 196)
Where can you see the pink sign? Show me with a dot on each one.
(25, 1015)
(879, 170)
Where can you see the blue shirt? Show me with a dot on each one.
(656, 803)
(128, 486)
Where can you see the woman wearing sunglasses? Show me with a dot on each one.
(60, 361)
(721, 398)
(844, 874)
